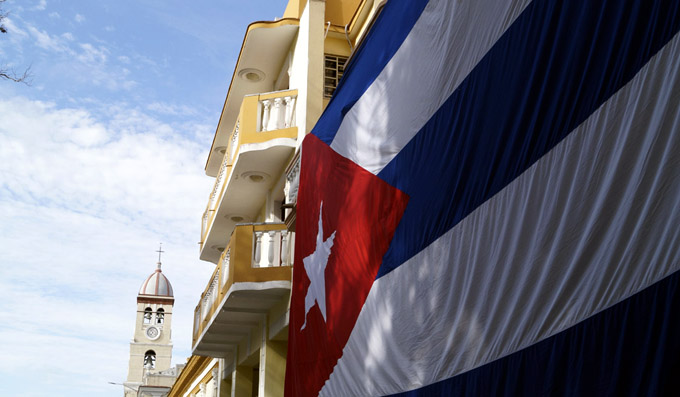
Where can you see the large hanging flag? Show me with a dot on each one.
(490, 205)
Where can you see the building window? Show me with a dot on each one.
(160, 315)
(147, 315)
(334, 67)
(150, 359)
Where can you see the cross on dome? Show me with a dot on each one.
(157, 284)
(160, 251)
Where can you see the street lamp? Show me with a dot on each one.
(124, 385)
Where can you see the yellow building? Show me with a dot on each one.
(286, 72)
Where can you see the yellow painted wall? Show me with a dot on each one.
(294, 8)
(273, 368)
(243, 382)
(225, 387)
(336, 46)
(338, 12)
(194, 367)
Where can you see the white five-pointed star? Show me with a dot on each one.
(315, 266)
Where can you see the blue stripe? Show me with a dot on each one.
(553, 68)
(381, 43)
(630, 349)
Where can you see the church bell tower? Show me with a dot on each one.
(151, 345)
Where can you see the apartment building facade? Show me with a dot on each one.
(286, 73)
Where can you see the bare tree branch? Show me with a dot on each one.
(10, 74)
(3, 15)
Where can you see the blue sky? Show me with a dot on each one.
(102, 158)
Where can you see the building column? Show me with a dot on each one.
(307, 75)
(272, 368)
(242, 381)
(225, 387)
(272, 364)
(224, 379)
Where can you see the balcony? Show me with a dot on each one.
(264, 54)
(252, 280)
(260, 146)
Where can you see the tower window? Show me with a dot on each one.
(334, 67)
(160, 316)
(147, 315)
(150, 359)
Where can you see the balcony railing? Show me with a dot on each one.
(260, 116)
(293, 180)
(276, 245)
(256, 253)
(277, 113)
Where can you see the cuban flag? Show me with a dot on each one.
(490, 205)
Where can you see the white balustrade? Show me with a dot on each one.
(219, 182)
(214, 288)
(204, 223)
(292, 182)
(258, 249)
(233, 145)
(277, 245)
(288, 120)
(277, 116)
(266, 105)
(277, 113)
(284, 248)
(197, 320)
(226, 262)
(210, 296)
(270, 253)
(205, 306)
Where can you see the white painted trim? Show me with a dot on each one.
(200, 377)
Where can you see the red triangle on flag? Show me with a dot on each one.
(357, 214)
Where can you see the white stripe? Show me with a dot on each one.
(439, 52)
(591, 223)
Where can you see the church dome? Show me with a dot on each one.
(156, 284)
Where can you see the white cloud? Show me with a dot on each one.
(116, 167)
(171, 110)
(79, 18)
(91, 54)
(13, 29)
(47, 42)
(84, 62)
(54, 15)
(42, 4)
(86, 195)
